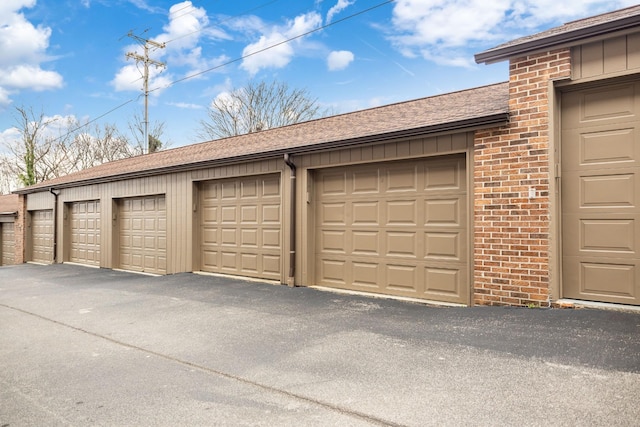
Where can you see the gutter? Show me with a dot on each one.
(467, 124)
(292, 220)
(55, 224)
(553, 41)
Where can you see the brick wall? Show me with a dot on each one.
(511, 233)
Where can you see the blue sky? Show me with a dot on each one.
(67, 57)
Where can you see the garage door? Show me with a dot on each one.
(85, 232)
(42, 236)
(241, 226)
(394, 228)
(143, 234)
(8, 243)
(601, 193)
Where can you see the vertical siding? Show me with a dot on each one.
(615, 56)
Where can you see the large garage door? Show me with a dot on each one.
(42, 236)
(85, 232)
(143, 234)
(394, 228)
(241, 226)
(601, 193)
(8, 243)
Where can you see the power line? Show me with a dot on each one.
(228, 63)
(146, 61)
(273, 45)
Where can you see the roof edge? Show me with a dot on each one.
(467, 124)
(569, 38)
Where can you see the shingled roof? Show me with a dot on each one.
(479, 107)
(8, 204)
(568, 34)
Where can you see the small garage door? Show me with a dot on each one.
(8, 243)
(394, 228)
(42, 236)
(143, 234)
(85, 232)
(601, 193)
(241, 226)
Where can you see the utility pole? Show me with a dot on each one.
(146, 43)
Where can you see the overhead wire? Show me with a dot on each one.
(322, 27)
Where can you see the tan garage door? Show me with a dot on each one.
(241, 226)
(85, 232)
(143, 234)
(42, 236)
(394, 228)
(8, 243)
(601, 193)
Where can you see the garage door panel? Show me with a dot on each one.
(446, 176)
(365, 182)
(365, 274)
(609, 146)
(600, 188)
(443, 281)
(142, 234)
(271, 238)
(246, 239)
(271, 214)
(402, 212)
(440, 245)
(397, 235)
(401, 179)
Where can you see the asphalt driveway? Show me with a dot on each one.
(82, 346)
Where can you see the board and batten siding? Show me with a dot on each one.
(611, 57)
(181, 204)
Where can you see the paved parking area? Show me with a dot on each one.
(82, 346)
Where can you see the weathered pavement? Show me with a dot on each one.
(82, 346)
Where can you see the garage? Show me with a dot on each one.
(241, 226)
(142, 234)
(600, 193)
(7, 243)
(397, 228)
(42, 236)
(85, 232)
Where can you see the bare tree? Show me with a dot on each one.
(35, 156)
(51, 147)
(156, 130)
(256, 107)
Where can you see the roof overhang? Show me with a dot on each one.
(569, 38)
(471, 124)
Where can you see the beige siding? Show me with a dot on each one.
(615, 56)
(40, 201)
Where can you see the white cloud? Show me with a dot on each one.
(22, 51)
(339, 7)
(440, 30)
(182, 54)
(280, 55)
(30, 77)
(185, 105)
(339, 60)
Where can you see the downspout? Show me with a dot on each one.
(55, 224)
(292, 216)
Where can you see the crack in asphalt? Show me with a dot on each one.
(327, 405)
